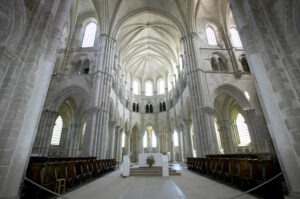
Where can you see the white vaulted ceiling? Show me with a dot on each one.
(148, 46)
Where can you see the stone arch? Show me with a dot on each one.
(235, 93)
(228, 103)
(80, 96)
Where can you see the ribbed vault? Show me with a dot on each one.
(148, 47)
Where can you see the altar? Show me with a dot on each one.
(143, 157)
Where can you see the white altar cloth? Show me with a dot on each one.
(143, 157)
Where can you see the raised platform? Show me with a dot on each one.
(151, 171)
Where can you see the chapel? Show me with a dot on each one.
(189, 79)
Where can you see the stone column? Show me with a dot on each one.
(184, 145)
(257, 138)
(142, 132)
(70, 146)
(226, 135)
(95, 144)
(127, 143)
(119, 146)
(171, 146)
(26, 83)
(205, 142)
(277, 76)
(113, 129)
(44, 134)
(189, 145)
(180, 146)
(156, 134)
(208, 114)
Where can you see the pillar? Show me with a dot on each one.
(257, 138)
(181, 146)
(44, 133)
(198, 88)
(127, 143)
(188, 140)
(226, 135)
(276, 73)
(112, 131)
(23, 93)
(95, 143)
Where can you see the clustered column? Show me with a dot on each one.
(26, 84)
(276, 81)
(95, 141)
(206, 143)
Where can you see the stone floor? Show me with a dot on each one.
(186, 186)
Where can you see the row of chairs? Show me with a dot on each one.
(57, 176)
(41, 159)
(242, 172)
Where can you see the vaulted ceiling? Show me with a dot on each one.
(148, 46)
(148, 32)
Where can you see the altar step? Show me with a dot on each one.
(151, 171)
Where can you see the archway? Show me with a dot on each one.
(228, 120)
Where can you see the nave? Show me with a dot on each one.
(187, 186)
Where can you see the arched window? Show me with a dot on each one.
(235, 38)
(154, 141)
(218, 63)
(150, 108)
(242, 130)
(244, 63)
(135, 87)
(148, 88)
(161, 86)
(56, 134)
(82, 135)
(123, 140)
(89, 35)
(145, 140)
(211, 36)
(175, 139)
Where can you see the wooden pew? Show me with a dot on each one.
(72, 177)
(48, 179)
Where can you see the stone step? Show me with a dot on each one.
(151, 171)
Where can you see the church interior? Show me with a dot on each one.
(210, 84)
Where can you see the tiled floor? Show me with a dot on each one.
(186, 186)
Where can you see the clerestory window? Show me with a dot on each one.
(89, 35)
(211, 36)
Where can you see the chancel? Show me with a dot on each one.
(213, 85)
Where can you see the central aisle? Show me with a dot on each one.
(186, 186)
